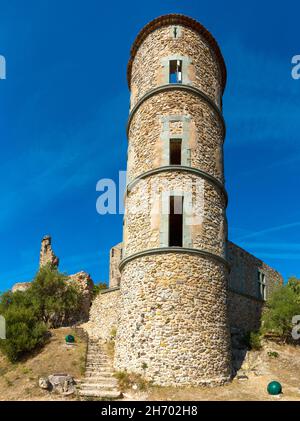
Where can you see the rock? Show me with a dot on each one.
(21, 286)
(44, 383)
(62, 383)
(47, 255)
(242, 377)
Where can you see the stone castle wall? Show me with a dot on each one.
(115, 256)
(104, 314)
(145, 229)
(244, 302)
(156, 118)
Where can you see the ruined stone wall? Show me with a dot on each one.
(115, 257)
(47, 255)
(148, 68)
(173, 321)
(104, 314)
(84, 285)
(243, 276)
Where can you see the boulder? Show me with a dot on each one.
(62, 383)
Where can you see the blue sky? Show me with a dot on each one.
(64, 107)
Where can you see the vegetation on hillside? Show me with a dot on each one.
(280, 308)
(47, 303)
(99, 288)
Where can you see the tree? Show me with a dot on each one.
(50, 301)
(52, 297)
(24, 331)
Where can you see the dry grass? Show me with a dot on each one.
(20, 381)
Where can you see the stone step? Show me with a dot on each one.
(100, 379)
(98, 365)
(110, 394)
(95, 373)
(101, 368)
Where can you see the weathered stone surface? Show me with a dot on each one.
(173, 320)
(148, 68)
(81, 281)
(44, 383)
(104, 315)
(244, 305)
(84, 284)
(47, 255)
(62, 383)
(114, 272)
(21, 286)
(204, 134)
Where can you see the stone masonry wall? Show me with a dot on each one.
(115, 257)
(173, 320)
(143, 227)
(104, 314)
(245, 305)
(148, 67)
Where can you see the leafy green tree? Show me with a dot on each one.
(24, 331)
(281, 307)
(294, 284)
(53, 298)
(50, 301)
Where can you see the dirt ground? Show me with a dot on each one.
(285, 369)
(20, 381)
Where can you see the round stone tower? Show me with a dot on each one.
(173, 315)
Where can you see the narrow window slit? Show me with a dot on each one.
(176, 221)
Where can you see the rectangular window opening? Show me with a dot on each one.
(176, 221)
(261, 285)
(175, 151)
(175, 69)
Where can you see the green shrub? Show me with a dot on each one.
(24, 332)
(98, 288)
(50, 301)
(283, 304)
(253, 340)
(273, 354)
(53, 298)
(127, 380)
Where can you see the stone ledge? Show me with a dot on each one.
(178, 86)
(186, 250)
(181, 168)
(105, 291)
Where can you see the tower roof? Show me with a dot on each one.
(177, 19)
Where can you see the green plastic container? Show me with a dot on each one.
(274, 388)
(70, 339)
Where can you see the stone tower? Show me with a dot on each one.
(173, 326)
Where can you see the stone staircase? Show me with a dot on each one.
(99, 381)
